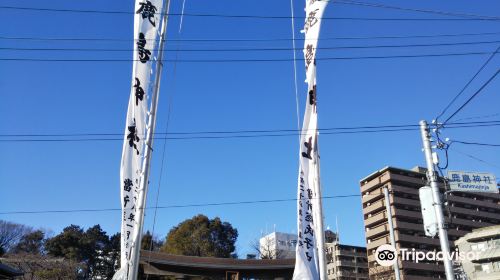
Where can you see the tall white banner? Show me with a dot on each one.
(146, 34)
(307, 260)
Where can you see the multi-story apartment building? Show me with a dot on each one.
(484, 244)
(463, 213)
(345, 262)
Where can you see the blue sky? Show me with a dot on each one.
(91, 97)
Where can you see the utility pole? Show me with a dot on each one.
(391, 230)
(436, 196)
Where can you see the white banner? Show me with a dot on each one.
(308, 206)
(146, 24)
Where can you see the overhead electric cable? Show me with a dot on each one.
(174, 206)
(475, 143)
(427, 11)
(243, 60)
(253, 40)
(469, 82)
(260, 49)
(322, 130)
(475, 158)
(236, 136)
(108, 12)
(473, 96)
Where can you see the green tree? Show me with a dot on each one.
(67, 244)
(147, 238)
(201, 236)
(30, 243)
(92, 247)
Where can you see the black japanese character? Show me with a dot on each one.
(128, 234)
(309, 205)
(312, 96)
(309, 193)
(139, 91)
(147, 10)
(141, 48)
(309, 55)
(132, 137)
(311, 20)
(309, 147)
(309, 258)
(308, 242)
(301, 244)
(127, 185)
(309, 230)
(131, 217)
(125, 200)
(308, 217)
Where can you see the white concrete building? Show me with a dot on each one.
(277, 245)
(485, 244)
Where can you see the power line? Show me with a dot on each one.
(479, 117)
(428, 11)
(473, 96)
(174, 206)
(321, 130)
(475, 143)
(468, 83)
(252, 40)
(109, 12)
(475, 158)
(260, 49)
(244, 60)
(386, 129)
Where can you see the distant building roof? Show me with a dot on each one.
(155, 263)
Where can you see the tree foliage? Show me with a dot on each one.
(201, 236)
(92, 247)
(150, 242)
(31, 243)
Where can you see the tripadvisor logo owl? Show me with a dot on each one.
(386, 255)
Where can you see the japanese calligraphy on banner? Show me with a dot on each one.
(146, 35)
(308, 206)
(472, 181)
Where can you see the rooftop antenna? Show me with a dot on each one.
(337, 228)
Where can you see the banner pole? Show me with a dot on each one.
(144, 181)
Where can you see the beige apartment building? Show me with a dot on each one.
(463, 213)
(346, 262)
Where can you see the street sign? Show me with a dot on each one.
(472, 181)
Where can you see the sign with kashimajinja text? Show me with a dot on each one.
(472, 181)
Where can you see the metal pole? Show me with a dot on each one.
(320, 237)
(144, 181)
(436, 196)
(391, 230)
